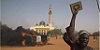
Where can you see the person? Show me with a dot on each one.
(56, 37)
(75, 43)
(94, 37)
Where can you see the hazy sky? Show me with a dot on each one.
(27, 13)
(0, 10)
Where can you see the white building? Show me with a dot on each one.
(42, 28)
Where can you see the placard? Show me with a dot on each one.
(76, 6)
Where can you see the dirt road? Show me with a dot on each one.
(58, 44)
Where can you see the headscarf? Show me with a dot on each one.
(82, 32)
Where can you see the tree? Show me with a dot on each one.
(96, 33)
(54, 32)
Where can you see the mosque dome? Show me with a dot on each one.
(36, 24)
(42, 23)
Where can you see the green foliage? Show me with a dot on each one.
(96, 34)
(55, 32)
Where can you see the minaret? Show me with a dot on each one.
(50, 16)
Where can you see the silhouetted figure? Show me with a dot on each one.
(94, 37)
(79, 43)
(56, 37)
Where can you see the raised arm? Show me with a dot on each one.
(72, 23)
(67, 40)
(70, 29)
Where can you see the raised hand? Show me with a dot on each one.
(75, 13)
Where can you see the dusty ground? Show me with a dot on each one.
(59, 44)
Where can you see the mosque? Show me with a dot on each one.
(42, 27)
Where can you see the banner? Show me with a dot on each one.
(38, 38)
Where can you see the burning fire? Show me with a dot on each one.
(23, 42)
(23, 34)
